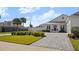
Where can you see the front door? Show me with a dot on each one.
(55, 27)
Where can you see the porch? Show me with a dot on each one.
(57, 27)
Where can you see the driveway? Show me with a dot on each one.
(55, 41)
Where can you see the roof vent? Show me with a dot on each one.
(62, 17)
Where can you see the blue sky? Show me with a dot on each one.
(35, 15)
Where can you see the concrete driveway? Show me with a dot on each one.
(55, 41)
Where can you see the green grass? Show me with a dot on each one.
(20, 39)
(5, 32)
(10, 32)
(75, 44)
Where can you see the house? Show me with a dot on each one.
(9, 26)
(62, 23)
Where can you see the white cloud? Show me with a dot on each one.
(24, 10)
(45, 17)
(3, 12)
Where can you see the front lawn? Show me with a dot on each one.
(10, 32)
(75, 44)
(5, 32)
(20, 39)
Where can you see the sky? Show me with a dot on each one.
(35, 15)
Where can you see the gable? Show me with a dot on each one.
(61, 18)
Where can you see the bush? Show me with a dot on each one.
(71, 36)
(45, 30)
(41, 34)
(28, 33)
(37, 34)
(13, 33)
(75, 31)
(21, 33)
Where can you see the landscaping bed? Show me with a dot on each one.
(23, 37)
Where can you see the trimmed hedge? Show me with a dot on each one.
(45, 30)
(37, 34)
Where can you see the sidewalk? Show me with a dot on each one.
(5, 46)
(4, 34)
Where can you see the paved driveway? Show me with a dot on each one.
(55, 41)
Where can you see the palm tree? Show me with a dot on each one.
(23, 20)
(17, 21)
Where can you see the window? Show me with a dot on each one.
(48, 27)
(62, 28)
(62, 17)
(40, 26)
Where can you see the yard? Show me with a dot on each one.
(20, 39)
(75, 44)
(5, 32)
(9, 32)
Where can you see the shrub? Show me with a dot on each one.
(28, 33)
(41, 34)
(75, 31)
(45, 30)
(13, 33)
(21, 33)
(71, 36)
(36, 34)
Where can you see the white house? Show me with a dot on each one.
(62, 23)
(9, 26)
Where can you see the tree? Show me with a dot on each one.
(23, 20)
(17, 21)
(31, 25)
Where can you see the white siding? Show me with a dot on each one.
(74, 20)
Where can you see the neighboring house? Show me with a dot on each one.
(9, 26)
(62, 23)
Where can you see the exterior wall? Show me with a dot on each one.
(58, 26)
(9, 26)
(39, 28)
(69, 27)
(74, 20)
(44, 27)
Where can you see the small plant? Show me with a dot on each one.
(75, 31)
(36, 34)
(13, 33)
(71, 36)
(45, 30)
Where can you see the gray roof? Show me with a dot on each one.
(75, 13)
